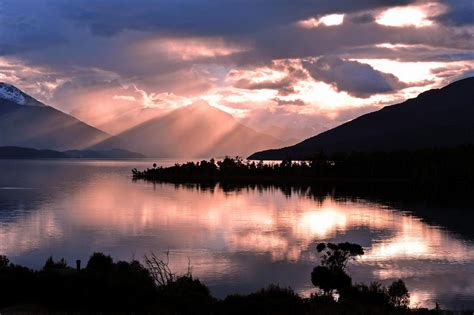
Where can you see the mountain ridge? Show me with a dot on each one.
(195, 131)
(11, 152)
(435, 118)
(12, 94)
(27, 122)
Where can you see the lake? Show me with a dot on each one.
(237, 240)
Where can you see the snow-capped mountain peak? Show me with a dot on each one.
(12, 94)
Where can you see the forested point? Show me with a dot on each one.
(448, 165)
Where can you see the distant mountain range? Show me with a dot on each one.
(28, 153)
(197, 130)
(436, 118)
(26, 122)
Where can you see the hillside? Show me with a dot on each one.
(194, 131)
(436, 118)
(26, 122)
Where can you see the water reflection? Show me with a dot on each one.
(237, 240)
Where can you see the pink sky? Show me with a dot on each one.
(309, 68)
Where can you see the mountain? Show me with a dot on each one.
(28, 153)
(436, 118)
(26, 122)
(103, 154)
(197, 130)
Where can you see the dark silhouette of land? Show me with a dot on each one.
(444, 166)
(441, 118)
(103, 154)
(105, 285)
(29, 153)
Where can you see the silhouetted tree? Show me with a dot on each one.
(336, 256)
(431, 165)
(50, 264)
(398, 293)
(331, 274)
(4, 261)
(329, 280)
(99, 262)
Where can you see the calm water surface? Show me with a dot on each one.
(237, 241)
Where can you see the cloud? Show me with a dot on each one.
(124, 98)
(85, 56)
(409, 52)
(459, 13)
(205, 17)
(294, 102)
(284, 85)
(355, 78)
(363, 18)
(279, 75)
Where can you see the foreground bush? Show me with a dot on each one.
(111, 286)
(271, 300)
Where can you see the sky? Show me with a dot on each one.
(284, 64)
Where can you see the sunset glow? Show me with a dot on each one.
(151, 70)
(417, 16)
(327, 20)
(215, 157)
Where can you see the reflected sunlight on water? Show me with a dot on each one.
(237, 241)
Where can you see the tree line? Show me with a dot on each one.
(445, 165)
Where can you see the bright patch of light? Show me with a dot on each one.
(165, 101)
(422, 76)
(256, 75)
(332, 19)
(189, 48)
(404, 247)
(124, 98)
(405, 71)
(328, 20)
(322, 222)
(404, 16)
(395, 46)
(323, 94)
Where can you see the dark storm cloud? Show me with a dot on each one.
(57, 33)
(206, 17)
(27, 25)
(284, 86)
(460, 13)
(295, 42)
(363, 18)
(355, 78)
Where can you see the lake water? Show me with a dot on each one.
(236, 240)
